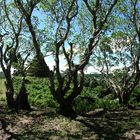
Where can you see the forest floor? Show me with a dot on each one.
(46, 124)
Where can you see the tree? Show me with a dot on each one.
(10, 32)
(21, 101)
(11, 40)
(63, 13)
(35, 69)
(120, 51)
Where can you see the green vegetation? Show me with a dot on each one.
(2, 90)
(45, 122)
(46, 48)
(38, 91)
(93, 96)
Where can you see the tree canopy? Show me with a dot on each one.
(78, 33)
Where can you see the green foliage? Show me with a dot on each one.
(89, 100)
(135, 97)
(39, 95)
(17, 84)
(107, 103)
(105, 45)
(35, 69)
(38, 91)
(90, 81)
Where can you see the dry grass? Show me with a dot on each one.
(2, 89)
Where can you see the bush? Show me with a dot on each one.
(38, 91)
(89, 100)
(35, 69)
(39, 95)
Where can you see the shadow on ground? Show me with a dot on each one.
(114, 125)
(43, 124)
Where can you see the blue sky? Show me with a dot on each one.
(50, 60)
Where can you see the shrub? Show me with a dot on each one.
(38, 91)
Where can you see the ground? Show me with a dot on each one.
(46, 124)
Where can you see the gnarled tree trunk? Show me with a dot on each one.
(22, 99)
(9, 92)
(67, 110)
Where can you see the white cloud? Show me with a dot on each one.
(51, 63)
(91, 69)
(63, 64)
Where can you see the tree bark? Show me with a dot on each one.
(125, 98)
(10, 93)
(10, 99)
(22, 99)
(67, 110)
(65, 106)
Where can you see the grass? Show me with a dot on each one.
(45, 123)
(2, 90)
(1, 85)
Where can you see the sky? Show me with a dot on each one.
(50, 60)
(51, 63)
